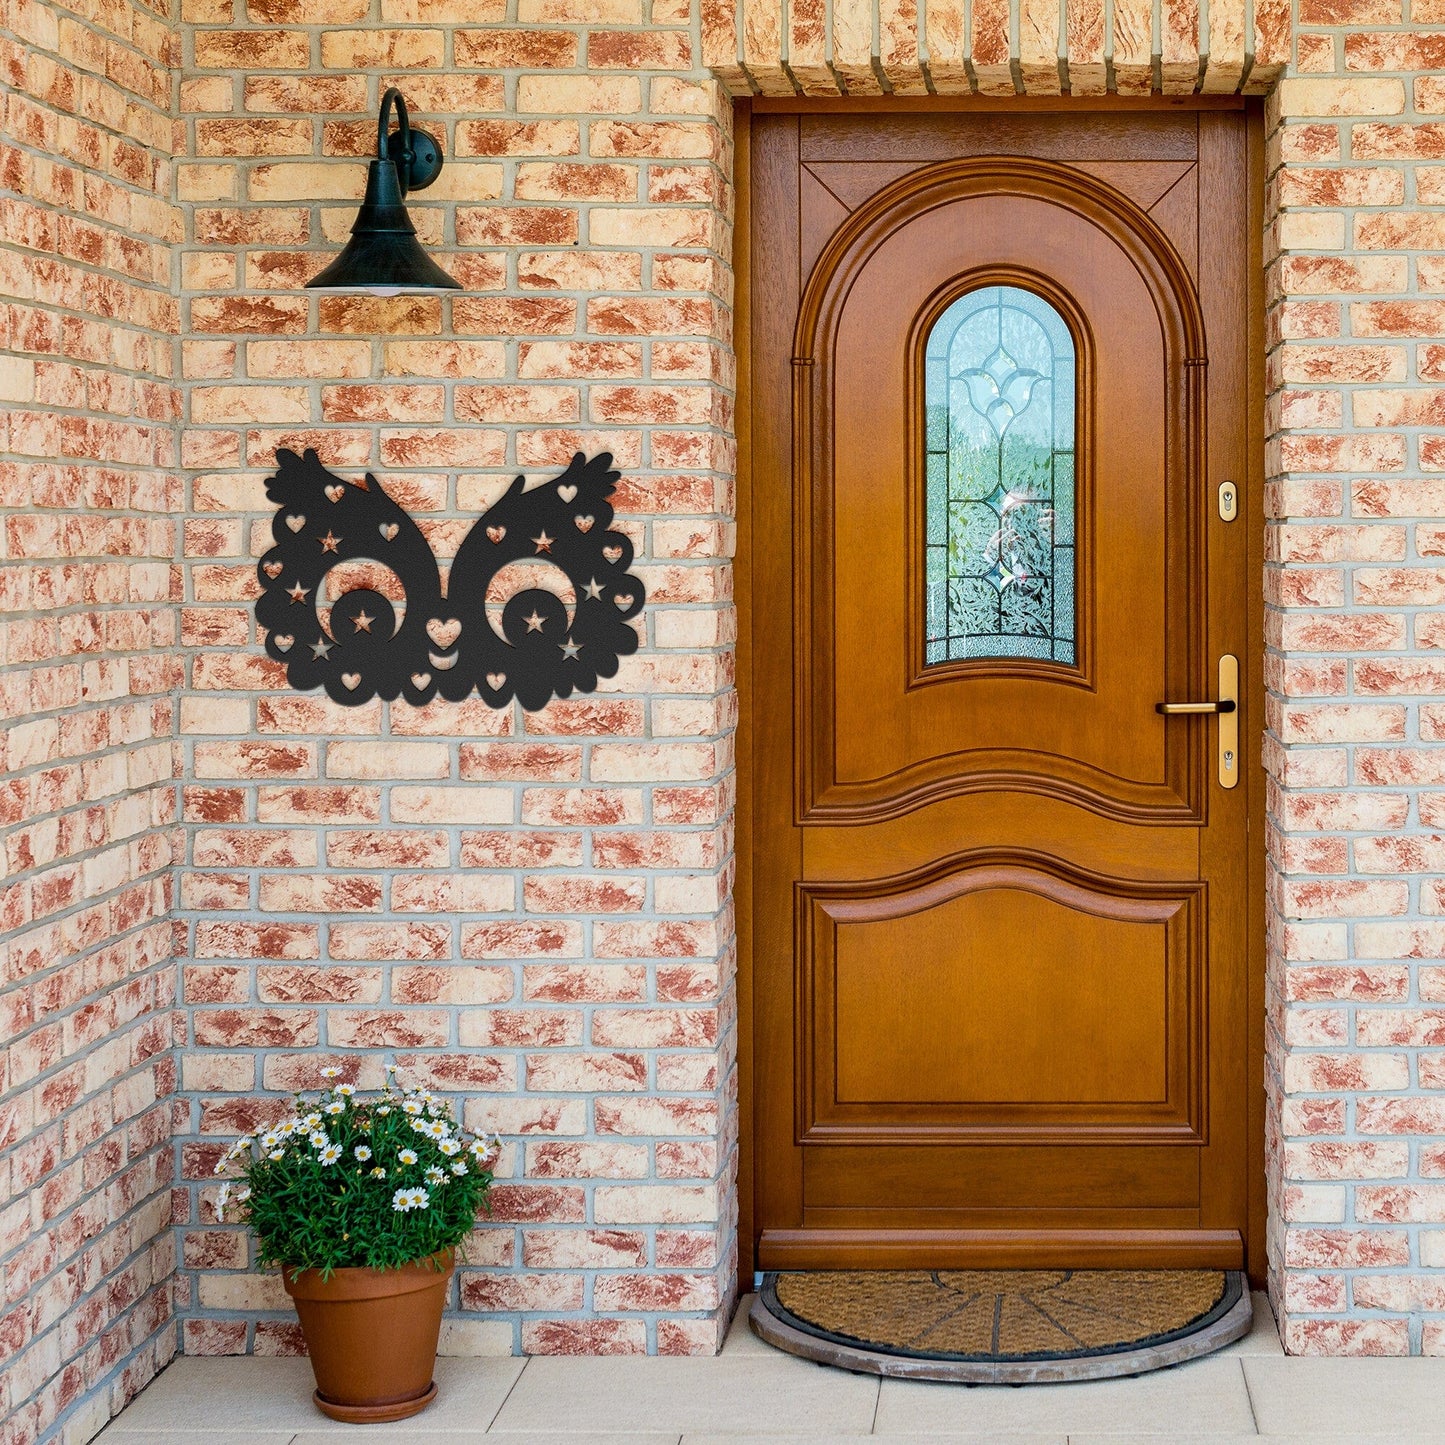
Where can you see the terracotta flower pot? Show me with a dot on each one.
(372, 1335)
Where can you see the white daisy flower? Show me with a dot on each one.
(270, 1139)
(378, 1172)
(435, 1175)
(242, 1195)
(330, 1154)
(345, 1090)
(276, 1155)
(311, 1120)
(437, 1129)
(459, 1168)
(411, 1106)
(384, 1110)
(392, 1068)
(318, 1139)
(331, 1073)
(407, 1199)
(362, 1152)
(450, 1147)
(336, 1107)
(407, 1156)
(222, 1199)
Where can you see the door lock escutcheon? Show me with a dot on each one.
(1226, 708)
(1228, 501)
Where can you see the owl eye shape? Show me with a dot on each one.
(538, 603)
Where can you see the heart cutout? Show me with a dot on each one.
(567, 492)
(495, 534)
(496, 681)
(296, 523)
(273, 569)
(389, 530)
(419, 680)
(444, 632)
(352, 680)
(283, 640)
(623, 600)
(584, 524)
(613, 554)
(442, 664)
(335, 492)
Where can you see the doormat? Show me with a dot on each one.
(1002, 1326)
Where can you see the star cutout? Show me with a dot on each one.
(593, 589)
(363, 622)
(321, 649)
(329, 543)
(544, 542)
(570, 648)
(534, 622)
(298, 592)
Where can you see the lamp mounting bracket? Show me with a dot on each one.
(417, 157)
(425, 164)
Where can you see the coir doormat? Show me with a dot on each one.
(1003, 1326)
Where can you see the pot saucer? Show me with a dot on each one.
(375, 1414)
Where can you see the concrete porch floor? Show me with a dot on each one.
(1247, 1391)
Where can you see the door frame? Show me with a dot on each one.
(1252, 516)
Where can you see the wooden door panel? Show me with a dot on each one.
(885, 734)
(1082, 1022)
(986, 1179)
(1144, 182)
(998, 916)
(1177, 214)
(1087, 136)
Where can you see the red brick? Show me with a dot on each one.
(584, 1337)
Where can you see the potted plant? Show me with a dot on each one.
(362, 1202)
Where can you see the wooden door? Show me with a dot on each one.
(999, 921)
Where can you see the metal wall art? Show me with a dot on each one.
(537, 605)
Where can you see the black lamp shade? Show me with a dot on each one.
(383, 255)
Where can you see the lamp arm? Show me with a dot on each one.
(393, 97)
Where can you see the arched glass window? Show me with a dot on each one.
(999, 392)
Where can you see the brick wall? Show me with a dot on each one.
(529, 912)
(89, 503)
(1355, 580)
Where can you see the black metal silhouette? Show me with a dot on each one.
(498, 634)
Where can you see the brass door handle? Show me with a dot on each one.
(1178, 709)
(1227, 707)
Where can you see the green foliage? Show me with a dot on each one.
(347, 1180)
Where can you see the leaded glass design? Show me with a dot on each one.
(999, 393)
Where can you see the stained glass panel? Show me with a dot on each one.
(999, 479)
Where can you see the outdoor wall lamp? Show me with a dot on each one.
(383, 255)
